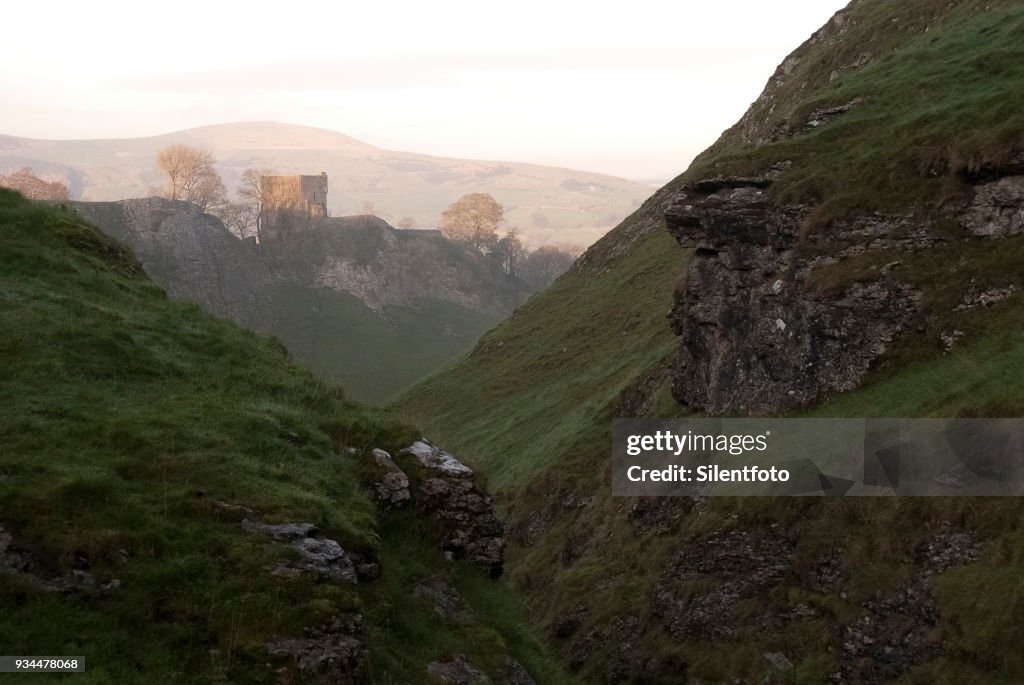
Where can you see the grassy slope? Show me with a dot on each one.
(373, 355)
(940, 98)
(273, 290)
(938, 101)
(125, 416)
(553, 368)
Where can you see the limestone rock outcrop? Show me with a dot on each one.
(391, 486)
(330, 653)
(755, 337)
(775, 314)
(320, 556)
(448, 492)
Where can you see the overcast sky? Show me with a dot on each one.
(633, 89)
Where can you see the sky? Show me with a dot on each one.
(633, 89)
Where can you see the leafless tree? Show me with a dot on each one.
(407, 222)
(191, 176)
(473, 218)
(240, 218)
(255, 192)
(34, 187)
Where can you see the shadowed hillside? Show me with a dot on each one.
(359, 302)
(180, 502)
(883, 156)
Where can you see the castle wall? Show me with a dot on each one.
(289, 202)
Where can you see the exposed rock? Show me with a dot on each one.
(951, 338)
(9, 558)
(828, 571)
(659, 515)
(822, 116)
(626, 659)
(458, 671)
(229, 508)
(446, 601)
(779, 661)
(447, 490)
(583, 647)
(331, 653)
(322, 557)
(326, 559)
(437, 459)
(567, 624)
(516, 674)
(283, 532)
(392, 486)
(997, 209)
(755, 337)
(21, 562)
(741, 563)
(365, 570)
(945, 550)
(895, 634)
(975, 298)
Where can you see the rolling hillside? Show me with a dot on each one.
(548, 205)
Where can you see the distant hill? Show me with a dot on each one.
(550, 205)
(359, 302)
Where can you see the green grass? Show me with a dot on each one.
(940, 102)
(373, 355)
(553, 368)
(125, 418)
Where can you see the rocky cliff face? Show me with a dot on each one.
(365, 304)
(760, 334)
(190, 254)
(381, 266)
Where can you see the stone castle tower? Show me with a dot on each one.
(290, 202)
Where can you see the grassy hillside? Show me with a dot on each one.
(936, 102)
(531, 404)
(412, 300)
(372, 354)
(549, 377)
(133, 429)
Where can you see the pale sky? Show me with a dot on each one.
(633, 89)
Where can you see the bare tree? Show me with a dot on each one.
(473, 218)
(182, 165)
(208, 193)
(191, 176)
(255, 192)
(407, 222)
(240, 218)
(34, 187)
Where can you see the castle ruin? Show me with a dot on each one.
(292, 202)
